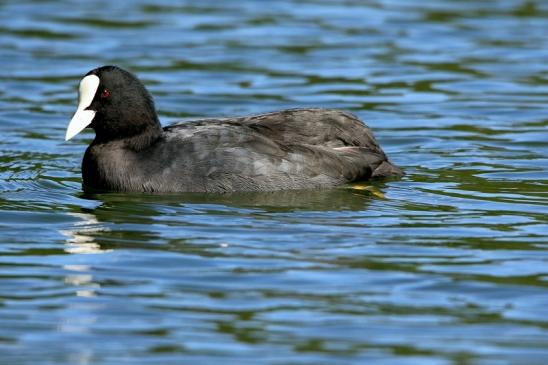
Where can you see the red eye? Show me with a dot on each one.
(105, 94)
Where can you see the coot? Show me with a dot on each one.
(288, 149)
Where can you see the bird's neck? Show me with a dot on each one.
(136, 139)
(144, 139)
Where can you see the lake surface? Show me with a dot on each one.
(449, 267)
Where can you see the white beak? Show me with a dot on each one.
(82, 118)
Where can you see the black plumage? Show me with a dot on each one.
(289, 149)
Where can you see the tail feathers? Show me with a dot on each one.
(371, 158)
(386, 169)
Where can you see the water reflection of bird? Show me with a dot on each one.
(144, 220)
(290, 149)
(145, 208)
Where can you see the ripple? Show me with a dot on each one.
(419, 270)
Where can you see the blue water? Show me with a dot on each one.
(448, 265)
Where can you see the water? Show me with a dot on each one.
(451, 267)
